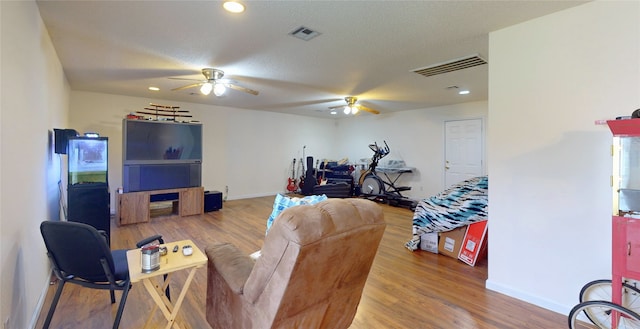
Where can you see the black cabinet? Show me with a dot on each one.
(89, 204)
(87, 186)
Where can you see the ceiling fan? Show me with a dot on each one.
(352, 107)
(214, 82)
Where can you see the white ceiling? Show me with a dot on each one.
(366, 49)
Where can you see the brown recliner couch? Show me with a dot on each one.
(313, 268)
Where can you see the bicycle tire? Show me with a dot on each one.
(602, 315)
(601, 290)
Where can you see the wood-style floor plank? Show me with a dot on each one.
(404, 290)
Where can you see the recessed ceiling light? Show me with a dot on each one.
(334, 112)
(233, 7)
(463, 92)
(154, 88)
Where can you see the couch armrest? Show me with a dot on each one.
(232, 264)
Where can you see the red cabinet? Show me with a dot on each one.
(626, 247)
(625, 182)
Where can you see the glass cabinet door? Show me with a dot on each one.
(626, 175)
(87, 160)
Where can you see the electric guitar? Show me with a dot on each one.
(301, 180)
(302, 173)
(291, 185)
(323, 181)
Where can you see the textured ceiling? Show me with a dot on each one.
(366, 49)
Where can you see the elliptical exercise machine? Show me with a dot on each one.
(380, 189)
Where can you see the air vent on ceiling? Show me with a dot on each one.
(304, 33)
(450, 66)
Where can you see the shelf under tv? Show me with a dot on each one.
(136, 207)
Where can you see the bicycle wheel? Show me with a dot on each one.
(602, 315)
(372, 185)
(601, 290)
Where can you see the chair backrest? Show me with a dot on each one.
(314, 264)
(76, 249)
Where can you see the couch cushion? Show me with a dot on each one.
(282, 202)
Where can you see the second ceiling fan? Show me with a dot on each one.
(353, 107)
(214, 82)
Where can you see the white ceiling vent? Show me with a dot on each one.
(450, 66)
(304, 33)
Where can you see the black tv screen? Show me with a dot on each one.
(157, 142)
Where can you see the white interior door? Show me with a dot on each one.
(464, 144)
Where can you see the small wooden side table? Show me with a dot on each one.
(170, 263)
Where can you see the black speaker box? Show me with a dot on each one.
(212, 201)
(61, 138)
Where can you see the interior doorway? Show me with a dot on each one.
(464, 150)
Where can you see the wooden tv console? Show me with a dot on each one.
(135, 207)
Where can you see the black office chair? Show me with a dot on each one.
(80, 254)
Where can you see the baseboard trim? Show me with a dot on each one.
(43, 296)
(531, 299)
(249, 196)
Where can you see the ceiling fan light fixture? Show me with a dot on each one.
(206, 88)
(352, 107)
(233, 7)
(219, 89)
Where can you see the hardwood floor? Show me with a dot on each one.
(404, 290)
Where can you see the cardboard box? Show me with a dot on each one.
(451, 241)
(429, 242)
(472, 244)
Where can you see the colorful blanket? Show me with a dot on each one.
(459, 205)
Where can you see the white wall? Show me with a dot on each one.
(251, 151)
(549, 192)
(34, 101)
(248, 151)
(417, 137)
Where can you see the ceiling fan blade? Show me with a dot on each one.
(186, 79)
(193, 85)
(243, 89)
(366, 109)
(337, 107)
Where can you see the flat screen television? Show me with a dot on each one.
(159, 155)
(161, 142)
